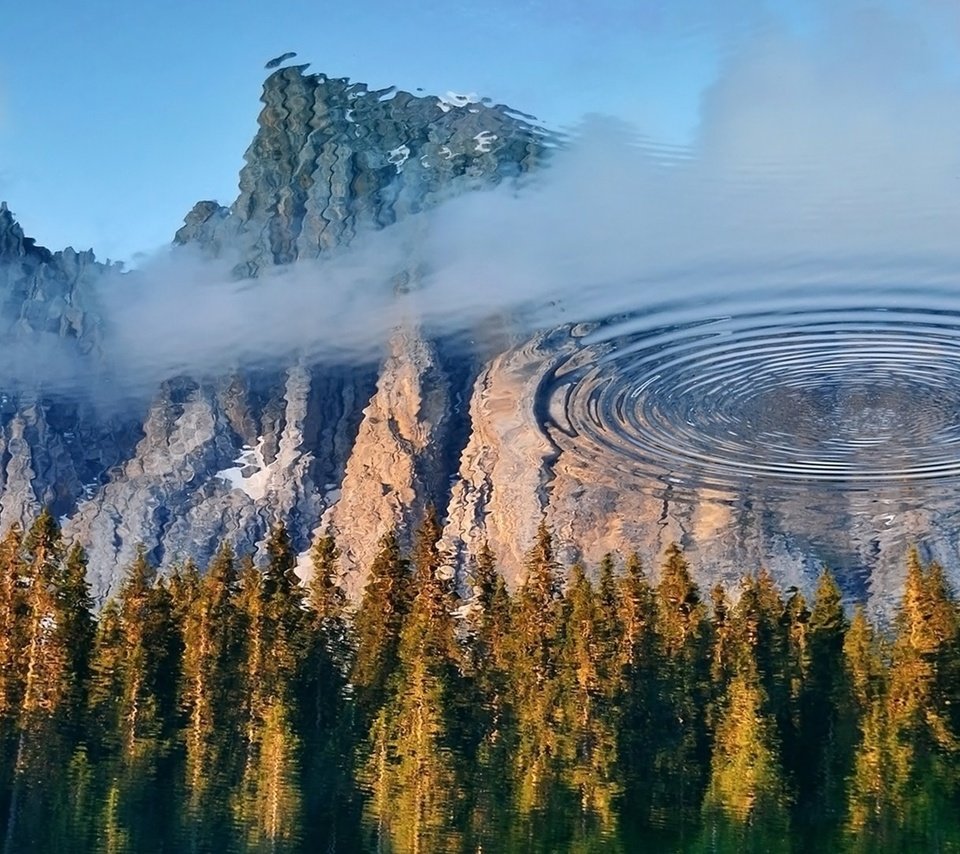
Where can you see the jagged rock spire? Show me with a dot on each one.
(13, 242)
(11, 235)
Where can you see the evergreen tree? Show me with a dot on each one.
(537, 622)
(12, 570)
(489, 630)
(270, 804)
(45, 662)
(272, 613)
(589, 703)
(184, 588)
(923, 746)
(638, 659)
(330, 643)
(745, 806)
(210, 692)
(724, 654)
(418, 788)
(330, 799)
(379, 619)
(489, 663)
(678, 720)
(827, 729)
(133, 705)
(55, 630)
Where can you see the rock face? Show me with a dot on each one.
(360, 448)
(224, 459)
(53, 449)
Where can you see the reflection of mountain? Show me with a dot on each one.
(367, 447)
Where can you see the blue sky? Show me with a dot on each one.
(115, 117)
(817, 132)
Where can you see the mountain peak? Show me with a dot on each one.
(13, 242)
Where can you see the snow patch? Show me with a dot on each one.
(484, 140)
(250, 474)
(399, 156)
(454, 99)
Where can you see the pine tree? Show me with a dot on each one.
(745, 806)
(44, 660)
(871, 822)
(210, 694)
(924, 747)
(827, 729)
(135, 669)
(589, 695)
(638, 659)
(133, 709)
(330, 641)
(75, 625)
(419, 789)
(272, 613)
(724, 655)
(379, 619)
(678, 718)
(55, 624)
(184, 587)
(608, 615)
(12, 570)
(489, 664)
(329, 745)
(489, 627)
(270, 804)
(863, 662)
(537, 622)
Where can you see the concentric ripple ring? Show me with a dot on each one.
(849, 396)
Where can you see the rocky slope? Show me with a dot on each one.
(359, 447)
(224, 459)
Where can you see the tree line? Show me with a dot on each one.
(238, 709)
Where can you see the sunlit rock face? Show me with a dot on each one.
(826, 440)
(210, 459)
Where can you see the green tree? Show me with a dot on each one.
(640, 709)
(590, 686)
(135, 663)
(11, 625)
(133, 706)
(827, 725)
(681, 750)
(537, 622)
(210, 689)
(923, 745)
(53, 626)
(377, 625)
(415, 756)
(489, 662)
(745, 806)
(275, 624)
(330, 797)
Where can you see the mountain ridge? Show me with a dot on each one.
(360, 446)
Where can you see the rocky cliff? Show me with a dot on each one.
(225, 458)
(477, 431)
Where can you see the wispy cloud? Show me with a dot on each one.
(836, 148)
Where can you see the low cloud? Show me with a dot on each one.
(829, 157)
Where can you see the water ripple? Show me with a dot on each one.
(791, 390)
